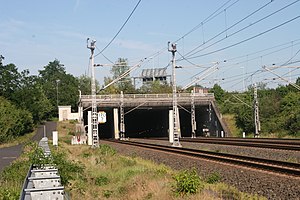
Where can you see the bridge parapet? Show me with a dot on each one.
(148, 100)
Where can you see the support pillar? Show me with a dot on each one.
(116, 123)
(171, 127)
(90, 136)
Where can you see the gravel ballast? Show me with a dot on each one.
(270, 185)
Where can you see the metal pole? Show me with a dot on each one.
(176, 131)
(193, 114)
(57, 81)
(94, 103)
(122, 123)
(44, 130)
(256, 113)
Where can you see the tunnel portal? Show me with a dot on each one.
(154, 122)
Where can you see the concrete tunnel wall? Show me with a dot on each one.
(155, 122)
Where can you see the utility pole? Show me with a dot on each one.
(94, 103)
(57, 81)
(122, 123)
(256, 113)
(176, 129)
(193, 113)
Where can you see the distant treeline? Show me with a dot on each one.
(279, 109)
(26, 100)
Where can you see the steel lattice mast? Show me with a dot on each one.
(193, 114)
(95, 135)
(176, 128)
(256, 113)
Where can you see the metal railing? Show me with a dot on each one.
(147, 96)
(43, 182)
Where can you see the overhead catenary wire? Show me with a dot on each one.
(245, 40)
(190, 54)
(227, 29)
(120, 29)
(207, 19)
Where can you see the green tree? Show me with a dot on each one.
(290, 112)
(124, 84)
(219, 93)
(59, 87)
(10, 80)
(84, 82)
(156, 87)
(14, 122)
(36, 101)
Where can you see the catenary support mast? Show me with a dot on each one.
(95, 141)
(176, 128)
(256, 113)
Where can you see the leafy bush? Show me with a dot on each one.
(187, 182)
(101, 180)
(36, 155)
(14, 122)
(107, 193)
(12, 178)
(213, 178)
(106, 150)
(68, 170)
(127, 162)
(9, 194)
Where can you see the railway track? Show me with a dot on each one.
(279, 167)
(291, 145)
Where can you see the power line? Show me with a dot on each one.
(120, 28)
(256, 52)
(209, 18)
(245, 40)
(291, 58)
(243, 19)
(267, 16)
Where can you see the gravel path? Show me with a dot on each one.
(269, 185)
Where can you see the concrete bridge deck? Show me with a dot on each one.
(147, 100)
(151, 113)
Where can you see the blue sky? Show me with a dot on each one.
(33, 33)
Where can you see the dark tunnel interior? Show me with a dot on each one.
(145, 123)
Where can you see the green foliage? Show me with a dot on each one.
(101, 180)
(68, 170)
(16, 172)
(106, 150)
(14, 122)
(187, 182)
(10, 80)
(125, 84)
(127, 162)
(219, 93)
(84, 86)
(12, 178)
(278, 110)
(54, 79)
(213, 178)
(36, 155)
(155, 87)
(9, 194)
(107, 193)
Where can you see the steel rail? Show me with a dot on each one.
(248, 143)
(279, 167)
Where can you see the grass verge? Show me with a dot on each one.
(102, 173)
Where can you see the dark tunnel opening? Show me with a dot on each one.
(146, 123)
